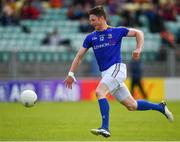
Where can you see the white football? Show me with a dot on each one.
(28, 98)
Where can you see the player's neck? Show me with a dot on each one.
(103, 27)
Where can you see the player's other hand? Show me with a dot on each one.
(69, 81)
(136, 53)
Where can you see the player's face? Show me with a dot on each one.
(95, 21)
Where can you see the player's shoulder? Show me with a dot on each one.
(119, 28)
(90, 35)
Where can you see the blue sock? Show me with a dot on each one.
(104, 108)
(145, 105)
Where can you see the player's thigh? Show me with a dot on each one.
(124, 97)
(122, 93)
(113, 78)
(110, 82)
(102, 90)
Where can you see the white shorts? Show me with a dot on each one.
(114, 78)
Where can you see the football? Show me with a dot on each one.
(28, 98)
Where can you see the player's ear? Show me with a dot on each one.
(101, 18)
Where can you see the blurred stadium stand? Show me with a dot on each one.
(23, 56)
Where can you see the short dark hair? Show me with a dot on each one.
(98, 11)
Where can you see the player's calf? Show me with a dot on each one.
(130, 104)
(131, 107)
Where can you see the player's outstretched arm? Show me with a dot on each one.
(139, 39)
(75, 64)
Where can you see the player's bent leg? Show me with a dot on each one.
(123, 95)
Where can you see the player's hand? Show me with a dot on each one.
(69, 81)
(136, 53)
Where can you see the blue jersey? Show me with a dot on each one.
(106, 45)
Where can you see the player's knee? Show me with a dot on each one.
(99, 93)
(131, 106)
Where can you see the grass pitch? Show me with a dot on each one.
(72, 121)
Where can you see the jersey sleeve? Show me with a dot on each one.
(87, 42)
(123, 31)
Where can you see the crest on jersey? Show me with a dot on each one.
(109, 36)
